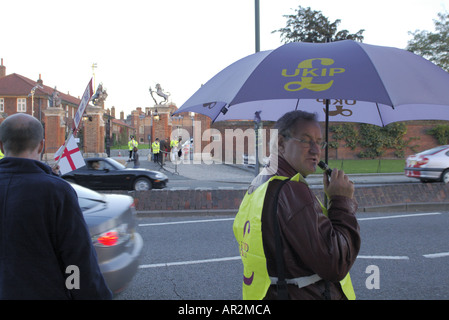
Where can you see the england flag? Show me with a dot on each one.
(69, 156)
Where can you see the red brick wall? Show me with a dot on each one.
(230, 199)
(414, 129)
(54, 134)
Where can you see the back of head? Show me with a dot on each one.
(20, 132)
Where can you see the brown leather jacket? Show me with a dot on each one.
(312, 243)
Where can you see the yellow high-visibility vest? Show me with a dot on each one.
(174, 143)
(1, 155)
(248, 233)
(156, 147)
(132, 143)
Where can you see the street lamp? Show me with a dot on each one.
(32, 97)
(156, 115)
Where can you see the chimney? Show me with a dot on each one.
(40, 82)
(2, 70)
(122, 115)
(113, 112)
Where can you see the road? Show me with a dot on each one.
(403, 256)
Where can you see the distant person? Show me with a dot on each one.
(175, 148)
(131, 144)
(156, 149)
(96, 165)
(136, 158)
(165, 145)
(44, 240)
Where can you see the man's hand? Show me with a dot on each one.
(339, 184)
(55, 169)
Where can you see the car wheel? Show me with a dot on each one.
(445, 176)
(142, 184)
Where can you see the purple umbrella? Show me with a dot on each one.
(359, 82)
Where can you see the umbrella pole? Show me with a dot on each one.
(326, 151)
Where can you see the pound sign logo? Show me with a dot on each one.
(244, 247)
(307, 72)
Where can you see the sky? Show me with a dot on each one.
(179, 44)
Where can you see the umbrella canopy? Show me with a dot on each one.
(361, 82)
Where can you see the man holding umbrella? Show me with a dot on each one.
(292, 246)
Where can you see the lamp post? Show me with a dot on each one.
(94, 66)
(257, 22)
(32, 97)
(108, 134)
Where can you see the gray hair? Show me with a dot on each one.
(287, 123)
(21, 132)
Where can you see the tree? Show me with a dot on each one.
(433, 46)
(308, 25)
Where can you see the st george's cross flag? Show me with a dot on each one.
(69, 156)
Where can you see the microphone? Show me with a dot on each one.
(325, 167)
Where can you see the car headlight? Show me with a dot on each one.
(160, 176)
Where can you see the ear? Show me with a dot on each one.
(281, 143)
(41, 146)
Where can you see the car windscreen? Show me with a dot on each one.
(116, 164)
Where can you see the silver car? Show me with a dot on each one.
(111, 223)
(429, 165)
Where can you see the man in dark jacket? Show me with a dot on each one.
(314, 246)
(45, 246)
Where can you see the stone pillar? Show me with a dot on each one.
(163, 127)
(54, 131)
(94, 132)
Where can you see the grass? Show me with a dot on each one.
(368, 166)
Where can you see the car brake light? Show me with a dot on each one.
(113, 237)
(108, 238)
(422, 161)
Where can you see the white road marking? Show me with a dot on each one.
(183, 263)
(384, 257)
(436, 255)
(401, 216)
(182, 222)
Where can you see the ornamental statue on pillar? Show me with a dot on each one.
(160, 93)
(99, 97)
(160, 114)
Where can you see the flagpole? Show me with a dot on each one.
(77, 119)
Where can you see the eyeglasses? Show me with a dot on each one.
(311, 143)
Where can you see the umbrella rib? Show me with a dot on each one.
(376, 69)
